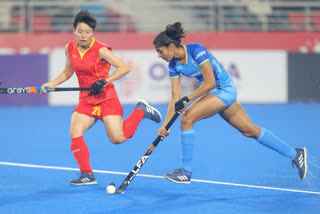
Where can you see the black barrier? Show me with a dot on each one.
(304, 77)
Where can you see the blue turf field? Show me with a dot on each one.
(231, 173)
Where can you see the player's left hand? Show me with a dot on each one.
(96, 88)
(181, 104)
(46, 85)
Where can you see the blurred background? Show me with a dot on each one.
(270, 47)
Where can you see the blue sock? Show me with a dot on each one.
(187, 142)
(269, 140)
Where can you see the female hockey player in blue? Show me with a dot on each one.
(217, 93)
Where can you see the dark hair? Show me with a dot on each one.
(84, 16)
(172, 34)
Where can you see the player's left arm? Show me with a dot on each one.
(122, 68)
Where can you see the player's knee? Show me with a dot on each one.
(74, 133)
(186, 121)
(117, 139)
(248, 134)
(252, 133)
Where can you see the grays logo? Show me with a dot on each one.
(18, 90)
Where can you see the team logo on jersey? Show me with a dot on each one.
(194, 62)
(74, 55)
(179, 68)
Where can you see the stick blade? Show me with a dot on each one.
(122, 187)
(118, 191)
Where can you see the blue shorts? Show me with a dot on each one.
(227, 94)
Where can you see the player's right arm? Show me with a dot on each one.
(63, 75)
(175, 96)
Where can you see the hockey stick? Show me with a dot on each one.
(143, 159)
(36, 90)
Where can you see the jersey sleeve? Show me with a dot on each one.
(199, 54)
(108, 47)
(172, 71)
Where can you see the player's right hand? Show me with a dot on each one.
(96, 88)
(162, 132)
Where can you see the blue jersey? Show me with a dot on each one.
(196, 56)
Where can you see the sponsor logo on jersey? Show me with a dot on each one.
(217, 65)
(200, 54)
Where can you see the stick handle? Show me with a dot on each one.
(174, 117)
(36, 90)
(68, 89)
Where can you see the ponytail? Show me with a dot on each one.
(172, 34)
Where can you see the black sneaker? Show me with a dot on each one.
(84, 179)
(300, 162)
(149, 111)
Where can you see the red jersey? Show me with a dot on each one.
(89, 68)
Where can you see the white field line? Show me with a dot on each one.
(155, 176)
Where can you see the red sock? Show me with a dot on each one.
(81, 153)
(131, 123)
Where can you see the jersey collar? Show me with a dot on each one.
(84, 52)
(186, 56)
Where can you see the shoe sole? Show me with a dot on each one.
(87, 183)
(305, 162)
(147, 104)
(177, 182)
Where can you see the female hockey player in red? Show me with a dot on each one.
(91, 61)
